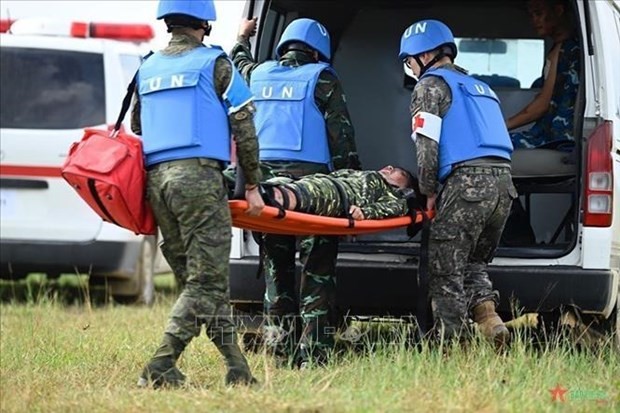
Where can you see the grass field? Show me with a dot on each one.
(58, 356)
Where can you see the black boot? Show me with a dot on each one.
(161, 370)
(238, 369)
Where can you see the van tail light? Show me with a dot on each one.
(598, 199)
(5, 25)
(53, 27)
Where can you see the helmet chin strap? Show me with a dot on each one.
(425, 67)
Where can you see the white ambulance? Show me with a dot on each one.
(571, 198)
(58, 77)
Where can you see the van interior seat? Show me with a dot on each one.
(536, 163)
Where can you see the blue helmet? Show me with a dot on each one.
(309, 32)
(424, 36)
(199, 9)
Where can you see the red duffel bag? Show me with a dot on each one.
(109, 174)
(107, 171)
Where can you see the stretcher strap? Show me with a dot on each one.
(344, 199)
(268, 194)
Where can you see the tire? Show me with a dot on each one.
(145, 272)
(140, 287)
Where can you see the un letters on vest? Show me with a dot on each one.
(109, 174)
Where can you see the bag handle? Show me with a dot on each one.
(127, 100)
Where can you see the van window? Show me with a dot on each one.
(511, 63)
(130, 64)
(273, 27)
(51, 89)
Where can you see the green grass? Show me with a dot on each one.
(59, 357)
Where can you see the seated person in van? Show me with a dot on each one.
(368, 194)
(552, 109)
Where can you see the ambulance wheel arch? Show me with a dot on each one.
(137, 287)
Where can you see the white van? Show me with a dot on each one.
(58, 77)
(572, 200)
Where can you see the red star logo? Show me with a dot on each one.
(558, 393)
(419, 122)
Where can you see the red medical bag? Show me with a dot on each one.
(109, 174)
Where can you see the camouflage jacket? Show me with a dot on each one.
(329, 97)
(241, 121)
(432, 95)
(365, 189)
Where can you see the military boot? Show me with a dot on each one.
(238, 369)
(490, 324)
(161, 370)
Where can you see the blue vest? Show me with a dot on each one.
(181, 113)
(474, 126)
(289, 125)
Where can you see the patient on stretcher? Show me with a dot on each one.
(345, 193)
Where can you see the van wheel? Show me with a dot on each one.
(140, 288)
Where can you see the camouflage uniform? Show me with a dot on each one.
(317, 194)
(471, 213)
(557, 124)
(189, 200)
(318, 254)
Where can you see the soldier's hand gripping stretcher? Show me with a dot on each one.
(255, 200)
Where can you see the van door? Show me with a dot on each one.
(48, 96)
(378, 98)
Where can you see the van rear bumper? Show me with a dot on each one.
(378, 288)
(18, 258)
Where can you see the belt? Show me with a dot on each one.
(187, 162)
(483, 170)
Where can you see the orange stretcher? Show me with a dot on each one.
(297, 223)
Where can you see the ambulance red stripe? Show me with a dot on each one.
(30, 170)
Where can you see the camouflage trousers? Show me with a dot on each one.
(317, 296)
(312, 332)
(190, 204)
(471, 214)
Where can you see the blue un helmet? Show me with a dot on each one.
(424, 36)
(198, 9)
(309, 32)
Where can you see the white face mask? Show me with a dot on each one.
(409, 72)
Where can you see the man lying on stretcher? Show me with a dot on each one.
(363, 194)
